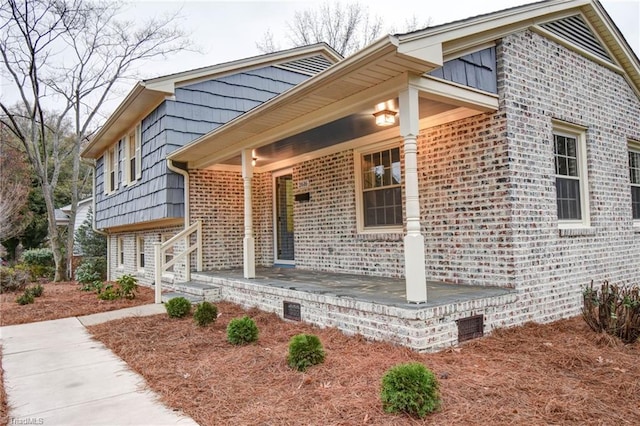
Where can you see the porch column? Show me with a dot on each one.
(248, 243)
(414, 261)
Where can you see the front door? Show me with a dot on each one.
(283, 218)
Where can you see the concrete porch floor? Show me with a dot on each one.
(381, 290)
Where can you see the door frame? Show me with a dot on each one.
(274, 176)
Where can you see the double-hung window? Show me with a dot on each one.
(111, 169)
(634, 176)
(572, 198)
(120, 252)
(380, 190)
(133, 160)
(140, 252)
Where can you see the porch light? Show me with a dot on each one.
(384, 114)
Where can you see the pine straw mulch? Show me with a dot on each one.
(64, 300)
(560, 373)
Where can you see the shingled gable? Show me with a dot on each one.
(146, 95)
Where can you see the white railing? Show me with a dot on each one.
(161, 249)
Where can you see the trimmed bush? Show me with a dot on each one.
(241, 331)
(39, 262)
(205, 314)
(614, 310)
(411, 389)
(25, 298)
(178, 307)
(305, 350)
(13, 279)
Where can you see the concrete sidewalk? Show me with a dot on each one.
(56, 374)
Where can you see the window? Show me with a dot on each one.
(140, 252)
(168, 255)
(571, 176)
(634, 176)
(111, 170)
(380, 188)
(120, 252)
(133, 169)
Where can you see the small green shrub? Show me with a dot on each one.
(241, 331)
(128, 286)
(13, 279)
(205, 314)
(95, 286)
(92, 269)
(36, 291)
(25, 298)
(39, 262)
(109, 292)
(410, 388)
(305, 350)
(613, 309)
(178, 307)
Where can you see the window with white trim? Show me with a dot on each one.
(111, 169)
(379, 177)
(120, 252)
(133, 160)
(140, 253)
(634, 177)
(572, 197)
(168, 254)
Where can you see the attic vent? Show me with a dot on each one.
(575, 30)
(310, 66)
(470, 328)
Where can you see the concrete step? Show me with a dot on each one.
(199, 290)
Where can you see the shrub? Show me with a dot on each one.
(205, 314)
(25, 298)
(128, 286)
(241, 331)
(410, 388)
(614, 310)
(36, 291)
(92, 269)
(92, 286)
(178, 307)
(108, 292)
(39, 262)
(305, 350)
(13, 279)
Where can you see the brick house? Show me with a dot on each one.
(501, 151)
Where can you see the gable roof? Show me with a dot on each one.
(146, 95)
(379, 71)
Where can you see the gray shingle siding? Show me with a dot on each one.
(477, 70)
(198, 108)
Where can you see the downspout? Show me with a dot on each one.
(184, 174)
(92, 163)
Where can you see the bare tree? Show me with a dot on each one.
(70, 53)
(14, 189)
(345, 27)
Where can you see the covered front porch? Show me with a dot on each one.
(374, 307)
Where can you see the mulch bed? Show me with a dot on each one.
(560, 373)
(64, 300)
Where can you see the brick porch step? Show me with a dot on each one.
(194, 291)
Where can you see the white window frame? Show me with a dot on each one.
(136, 135)
(111, 166)
(141, 259)
(168, 255)
(358, 154)
(120, 252)
(579, 134)
(634, 146)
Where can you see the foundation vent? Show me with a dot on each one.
(470, 328)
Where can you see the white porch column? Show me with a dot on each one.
(248, 243)
(414, 261)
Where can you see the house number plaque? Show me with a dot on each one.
(291, 311)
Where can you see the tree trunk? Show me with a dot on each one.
(54, 234)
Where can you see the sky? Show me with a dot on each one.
(223, 31)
